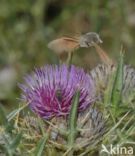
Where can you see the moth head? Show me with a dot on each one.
(88, 39)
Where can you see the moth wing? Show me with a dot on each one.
(62, 45)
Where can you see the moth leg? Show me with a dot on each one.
(69, 59)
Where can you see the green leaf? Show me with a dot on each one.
(9, 127)
(15, 112)
(16, 141)
(118, 84)
(2, 148)
(73, 119)
(109, 89)
(3, 118)
(40, 146)
(41, 125)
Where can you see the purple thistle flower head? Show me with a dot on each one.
(50, 90)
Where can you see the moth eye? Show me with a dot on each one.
(87, 44)
(95, 39)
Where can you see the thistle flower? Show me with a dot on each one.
(100, 75)
(50, 90)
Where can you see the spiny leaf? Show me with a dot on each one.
(73, 119)
(40, 146)
(3, 120)
(15, 112)
(41, 123)
(118, 84)
(108, 91)
(9, 127)
(11, 146)
(16, 141)
(117, 124)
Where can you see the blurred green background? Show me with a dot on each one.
(26, 27)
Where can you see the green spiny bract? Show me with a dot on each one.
(89, 132)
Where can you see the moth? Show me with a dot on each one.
(69, 44)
